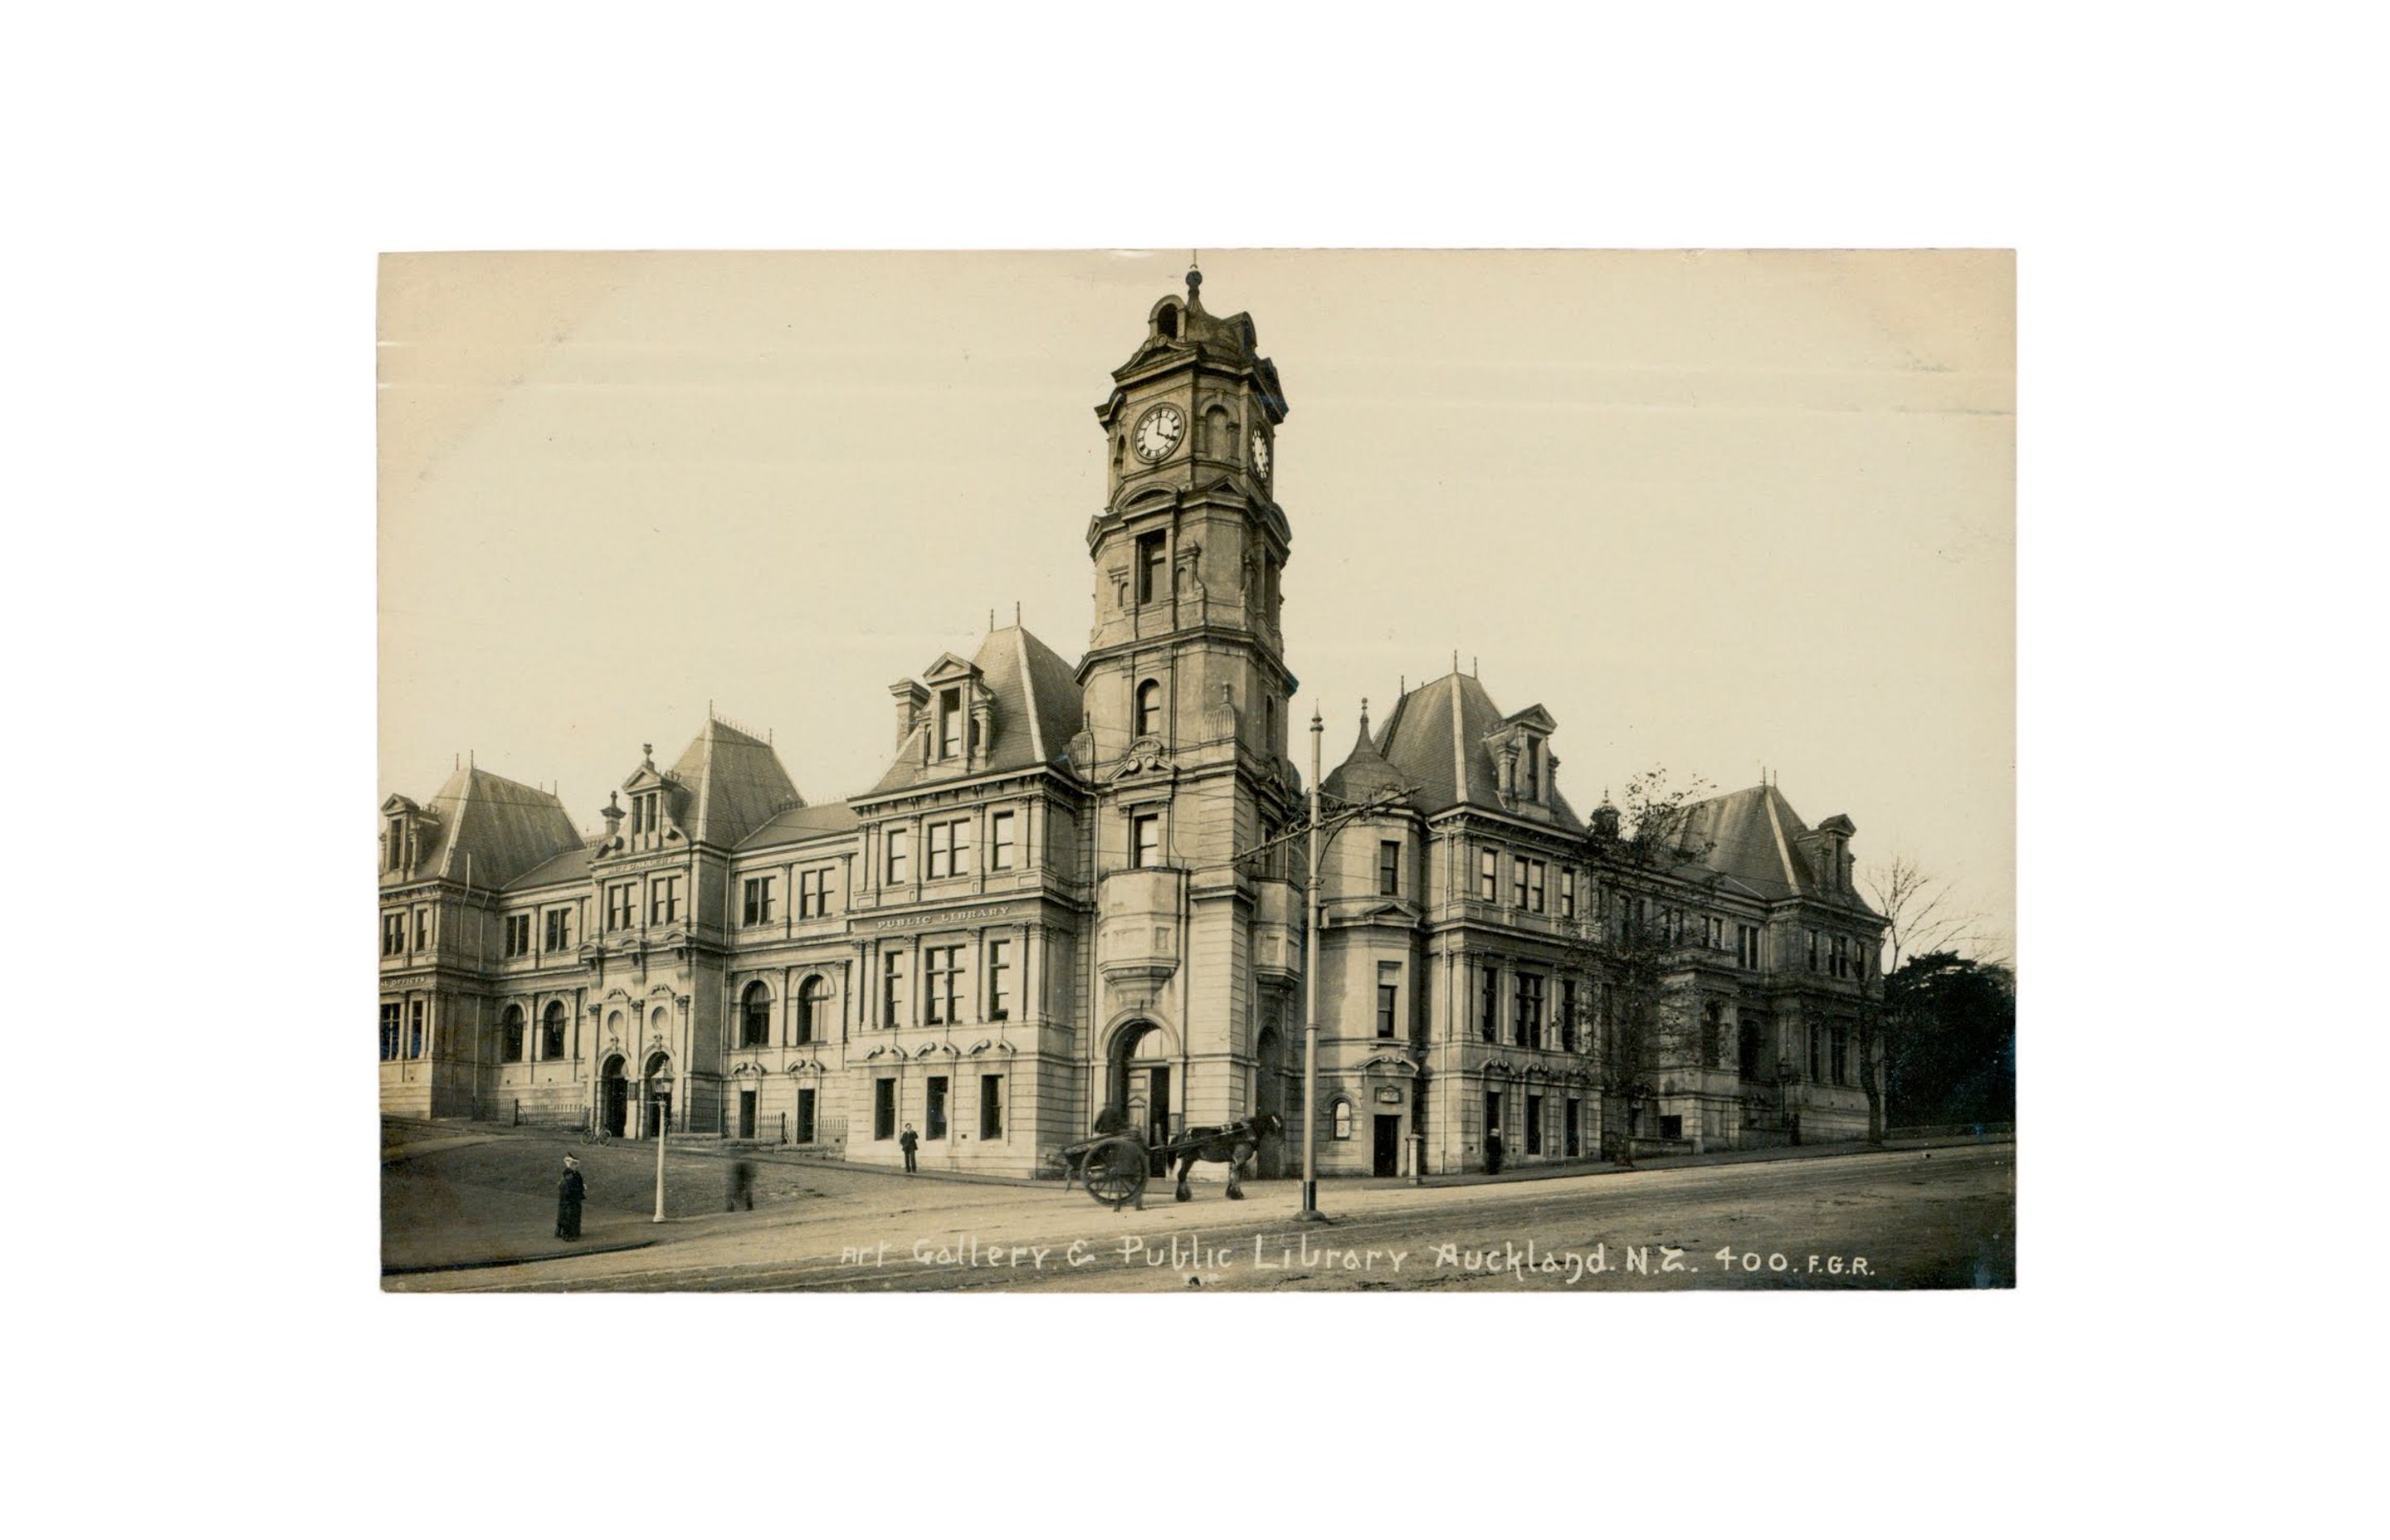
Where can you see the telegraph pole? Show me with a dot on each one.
(663, 1121)
(1311, 1000)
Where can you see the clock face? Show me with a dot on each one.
(1157, 432)
(1261, 454)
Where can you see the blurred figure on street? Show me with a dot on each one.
(1493, 1153)
(742, 1185)
(909, 1143)
(568, 1202)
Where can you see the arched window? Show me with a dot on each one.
(811, 996)
(1167, 323)
(551, 1030)
(511, 1043)
(1341, 1116)
(755, 1017)
(1149, 709)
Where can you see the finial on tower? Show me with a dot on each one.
(1194, 277)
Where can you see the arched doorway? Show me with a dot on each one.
(655, 1095)
(1270, 1096)
(1140, 1080)
(614, 1096)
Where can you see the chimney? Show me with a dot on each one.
(612, 813)
(910, 699)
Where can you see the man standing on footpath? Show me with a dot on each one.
(1493, 1153)
(909, 1143)
(568, 1202)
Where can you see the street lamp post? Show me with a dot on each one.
(663, 1123)
(1310, 1211)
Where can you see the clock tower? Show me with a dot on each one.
(1186, 693)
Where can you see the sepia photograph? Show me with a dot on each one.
(1241, 770)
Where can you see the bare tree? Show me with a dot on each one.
(1922, 914)
(1626, 950)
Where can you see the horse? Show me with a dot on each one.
(1234, 1144)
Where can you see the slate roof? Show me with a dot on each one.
(732, 782)
(501, 827)
(572, 865)
(1756, 839)
(803, 823)
(1038, 708)
(1435, 740)
(1364, 772)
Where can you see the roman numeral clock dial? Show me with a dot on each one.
(1261, 454)
(1157, 432)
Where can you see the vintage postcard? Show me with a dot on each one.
(1246, 770)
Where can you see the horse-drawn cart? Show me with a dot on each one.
(1113, 1166)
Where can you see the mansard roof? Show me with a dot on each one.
(731, 784)
(1037, 708)
(1755, 838)
(498, 828)
(1435, 739)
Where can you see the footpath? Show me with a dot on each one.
(435, 1225)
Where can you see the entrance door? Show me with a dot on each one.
(614, 1112)
(1385, 1152)
(1157, 1115)
(746, 1115)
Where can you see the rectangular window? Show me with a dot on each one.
(560, 930)
(1519, 881)
(1813, 951)
(618, 906)
(1529, 1010)
(1489, 1002)
(1816, 1053)
(891, 990)
(991, 1107)
(999, 843)
(1535, 886)
(1576, 1144)
(883, 1108)
(1746, 946)
(518, 935)
(1568, 896)
(941, 970)
(950, 849)
(933, 1116)
(664, 900)
(1531, 774)
(390, 1013)
(1145, 839)
(1842, 957)
(999, 981)
(1153, 567)
(758, 901)
(1840, 1043)
(1488, 884)
(950, 723)
(812, 893)
(900, 853)
(1535, 1125)
(393, 933)
(806, 1116)
(422, 928)
(1390, 868)
(1389, 990)
(414, 1029)
(1568, 1016)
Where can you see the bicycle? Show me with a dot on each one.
(600, 1135)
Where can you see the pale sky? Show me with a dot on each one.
(1715, 510)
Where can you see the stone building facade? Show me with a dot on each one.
(1074, 886)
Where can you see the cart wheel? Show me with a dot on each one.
(1115, 1171)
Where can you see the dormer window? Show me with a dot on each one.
(394, 845)
(950, 723)
(1532, 779)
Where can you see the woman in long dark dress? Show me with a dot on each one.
(568, 1202)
